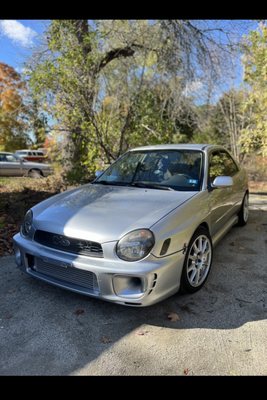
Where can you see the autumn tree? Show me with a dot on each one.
(12, 109)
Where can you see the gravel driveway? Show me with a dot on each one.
(221, 330)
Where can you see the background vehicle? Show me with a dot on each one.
(32, 155)
(13, 165)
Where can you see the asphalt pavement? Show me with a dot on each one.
(220, 330)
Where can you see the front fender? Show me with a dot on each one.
(180, 224)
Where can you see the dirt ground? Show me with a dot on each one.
(220, 330)
(17, 195)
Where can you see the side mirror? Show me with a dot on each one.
(98, 173)
(222, 182)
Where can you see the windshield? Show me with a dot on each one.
(158, 169)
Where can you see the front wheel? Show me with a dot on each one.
(243, 213)
(197, 263)
(35, 173)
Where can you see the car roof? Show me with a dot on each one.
(183, 146)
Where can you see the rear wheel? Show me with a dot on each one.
(197, 263)
(35, 173)
(243, 213)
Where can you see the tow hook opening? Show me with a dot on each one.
(184, 248)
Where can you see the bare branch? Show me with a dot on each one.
(127, 51)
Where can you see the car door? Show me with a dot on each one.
(237, 193)
(2, 165)
(220, 199)
(11, 166)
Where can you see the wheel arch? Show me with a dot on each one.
(203, 225)
(37, 170)
(185, 285)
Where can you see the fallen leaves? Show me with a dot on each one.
(79, 311)
(173, 317)
(105, 340)
(17, 195)
(244, 301)
(234, 244)
(8, 316)
(186, 371)
(257, 186)
(142, 333)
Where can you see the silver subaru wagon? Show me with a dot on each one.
(13, 165)
(142, 230)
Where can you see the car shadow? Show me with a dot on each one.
(50, 331)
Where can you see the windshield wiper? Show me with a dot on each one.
(150, 185)
(111, 183)
(137, 184)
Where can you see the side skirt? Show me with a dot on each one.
(219, 235)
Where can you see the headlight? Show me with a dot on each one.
(135, 245)
(27, 223)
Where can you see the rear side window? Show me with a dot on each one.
(230, 166)
(221, 164)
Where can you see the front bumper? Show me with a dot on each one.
(139, 283)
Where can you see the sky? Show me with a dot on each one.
(19, 37)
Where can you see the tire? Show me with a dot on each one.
(191, 279)
(243, 213)
(35, 173)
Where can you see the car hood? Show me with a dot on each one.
(105, 213)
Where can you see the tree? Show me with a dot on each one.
(38, 122)
(97, 79)
(229, 119)
(12, 110)
(254, 136)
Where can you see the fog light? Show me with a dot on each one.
(128, 286)
(17, 256)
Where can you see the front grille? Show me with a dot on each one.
(71, 276)
(68, 244)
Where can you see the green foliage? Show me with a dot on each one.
(111, 85)
(105, 85)
(254, 136)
